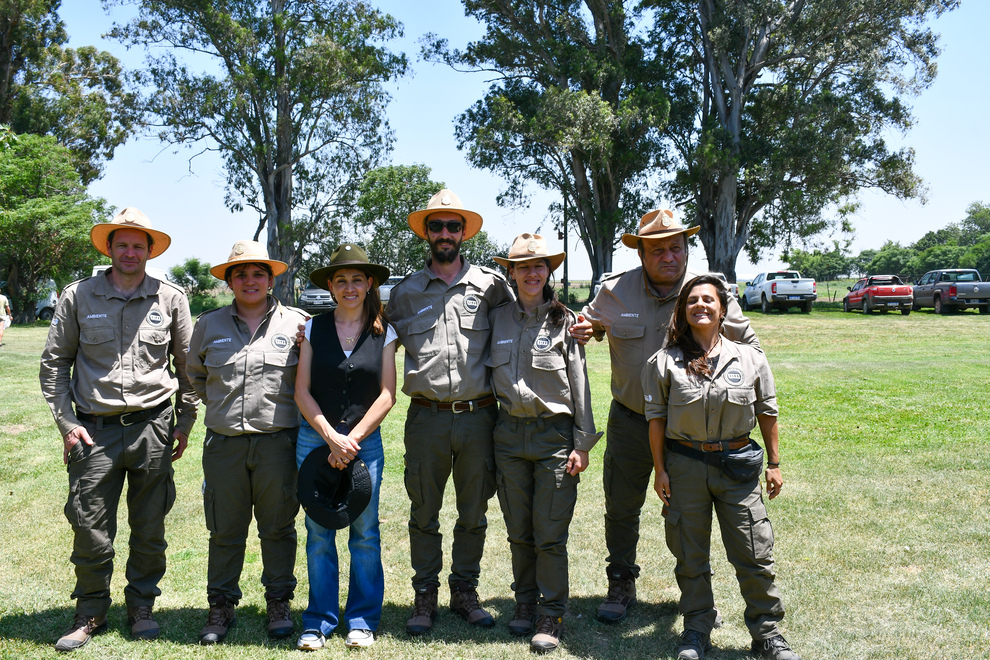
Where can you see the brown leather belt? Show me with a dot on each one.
(456, 406)
(125, 419)
(717, 445)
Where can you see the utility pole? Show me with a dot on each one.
(563, 235)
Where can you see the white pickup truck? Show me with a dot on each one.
(779, 289)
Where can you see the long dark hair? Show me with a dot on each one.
(680, 331)
(558, 310)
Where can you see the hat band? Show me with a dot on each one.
(662, 231)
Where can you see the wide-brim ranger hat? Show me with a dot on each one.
(445, 200)
(348, 255)
(333, 498)
(658, 223)
(530, 246)
(129, 218)
(248, 252)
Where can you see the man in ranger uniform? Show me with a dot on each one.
(634, 309)
(441, 316)
(107, 377)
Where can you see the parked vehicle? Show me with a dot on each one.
(951, 289)
(315, 300)
(45, 308)
(385, 290)
(779, 289)
(879, 293)
(731, 286)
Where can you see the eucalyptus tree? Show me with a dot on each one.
(80, 96)
(576, 107)
(289, 92)
(792, 103)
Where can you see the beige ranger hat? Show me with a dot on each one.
(129, 218)
(248, 252)
(530, 246)
(658, 223)
(445, 200)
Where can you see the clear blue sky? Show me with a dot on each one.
(951, 138)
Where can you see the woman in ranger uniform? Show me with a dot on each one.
(242, 364)
(346, 386)
(704, 395)
(542, 437)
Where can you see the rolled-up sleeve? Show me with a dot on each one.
(766, 391)
(656, 386)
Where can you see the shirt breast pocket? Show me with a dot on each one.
(280, 370)
(96, 336)
(476, 330)
(154, 347)
(626, 342)
(549, 375)
(222, 366)
(420, 336)
(685, 412)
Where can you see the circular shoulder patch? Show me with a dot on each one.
(155, 318)
(542, 343)
(281, 342)
(734, 376)
(472, 303)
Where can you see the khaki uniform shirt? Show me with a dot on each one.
(628, 309)
(110, 355)
(720, 406)
(3, 308)
(445, 331)
(247, 382)
(538, 370)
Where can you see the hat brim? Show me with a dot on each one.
(632, 240)
(554, 259)
(472, 221)
(321, 276)
(99, 234)
(278, 267)
(333, 498)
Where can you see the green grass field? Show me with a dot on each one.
(883, 528)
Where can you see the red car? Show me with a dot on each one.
(879, 293)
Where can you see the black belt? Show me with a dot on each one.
(125, 419)
(630, 412)
(715, 445)
(456, 406)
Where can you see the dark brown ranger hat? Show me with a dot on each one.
(348, 255)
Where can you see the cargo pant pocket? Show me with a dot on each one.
(760, 532)
(673, 530)
(210, 508)
(564, 495)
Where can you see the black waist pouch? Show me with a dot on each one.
(744, 464)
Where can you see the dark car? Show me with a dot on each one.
(315, 300)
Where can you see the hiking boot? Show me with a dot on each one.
(142, 623)
(620, 597)
(693, 645)
(549, 630)
(219, 621)
(464, 601)
(775, 648)
(83, 627)
(522, 620)
(279, 617)
(424, 611)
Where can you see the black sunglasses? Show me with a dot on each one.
(453, 226)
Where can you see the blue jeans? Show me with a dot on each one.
(366, 590)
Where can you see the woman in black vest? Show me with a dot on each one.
(345, 385)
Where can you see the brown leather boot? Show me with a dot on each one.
(464, 601)
(219, 621)
(424, 612)
(620, 597)
(522, 620)
(549, 630)
(83, 627)
(142, 622)
(279, 616)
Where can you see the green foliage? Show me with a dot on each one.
(79, 96)
(791, 104)
(45, 218)
(386, 197)
(293, 99)
(577, 108)
(194, 276)
(822, 266)
(892, 259)
(935, 257)
(480, 249)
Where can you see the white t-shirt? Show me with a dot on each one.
(390, 335)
